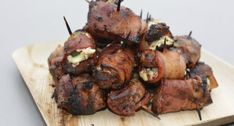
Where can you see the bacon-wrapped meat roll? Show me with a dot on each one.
(190, 49)
(128, 100)
(55, 62)
(205, 72)
(80, 51)
(114, 67)
(156, 65)
(105, 21)
(179, 95)
(157, 36)
(80, 95)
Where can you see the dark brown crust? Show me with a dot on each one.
(79, 96)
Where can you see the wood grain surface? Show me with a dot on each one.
(32, 63)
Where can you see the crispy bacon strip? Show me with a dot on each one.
(114, 67)
(106, 22)
(179, 95)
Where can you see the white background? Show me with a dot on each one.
(24, 22)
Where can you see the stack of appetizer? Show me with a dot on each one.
(125, 63)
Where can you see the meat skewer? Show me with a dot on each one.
(124, 101)
(80, 95)
(205, 72)
(80, 49)
(156, 36)
(109, 21)
(114, 67)
(179, 95)
(156, 65)
(76, 57)
(189, 48)
(127, 101)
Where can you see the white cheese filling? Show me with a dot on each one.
(164, 39)
(148, 73)
(83, 54)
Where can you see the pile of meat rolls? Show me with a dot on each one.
(121, 62)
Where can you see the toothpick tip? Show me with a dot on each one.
(149, 111)
(87, 1)
(119, 5)
(190, 34)
(199, 114)
(141, 13)
(67, 25)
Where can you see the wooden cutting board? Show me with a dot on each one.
(32, 64)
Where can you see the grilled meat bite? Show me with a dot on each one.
(155, 65)
(205, 72)
(179, 95)
(80, 95)
(189, 48)
(157, 36)
(105, 21)
(80, 49)
(156, 30)
(127, 101)
(114, 66)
